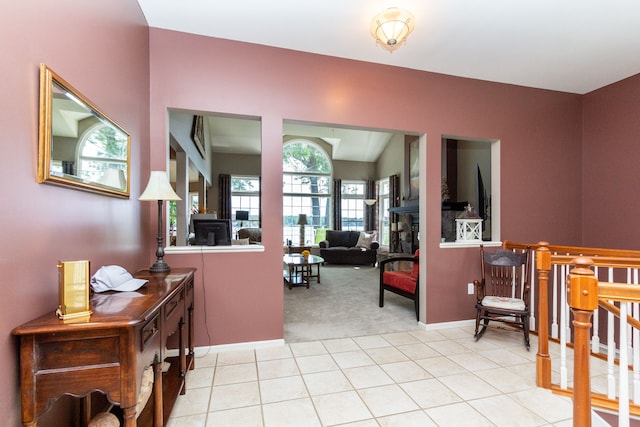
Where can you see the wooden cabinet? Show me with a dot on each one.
(126, 332)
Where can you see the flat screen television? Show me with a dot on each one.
(211, 232)
(481, 194)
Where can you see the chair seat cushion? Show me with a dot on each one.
(400, 280)
(503, 302)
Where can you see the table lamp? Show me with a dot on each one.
(302, 221)
(159, 189)
(242, 216)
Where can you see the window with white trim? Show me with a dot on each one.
(352, 200)
(101, 149)
(383, 212)
(245, 196)
(306, 188)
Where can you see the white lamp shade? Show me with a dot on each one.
(159, 188)
(113, 178)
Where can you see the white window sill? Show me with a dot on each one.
(213, 249)
(447, 245)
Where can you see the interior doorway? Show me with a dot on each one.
(355, 154)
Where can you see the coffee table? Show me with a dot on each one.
(299, 270)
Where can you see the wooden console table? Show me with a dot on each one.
(108, 353)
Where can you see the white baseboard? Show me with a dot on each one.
(252, 345)
(448, 325)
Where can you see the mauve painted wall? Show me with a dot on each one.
(101, 48)
(105, 54)
(541, 166)
(611, 155)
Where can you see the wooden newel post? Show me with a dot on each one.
(543, 361)
(582, 295)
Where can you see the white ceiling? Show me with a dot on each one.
(242, 136)
(567, 45)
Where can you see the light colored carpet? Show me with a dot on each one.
(344, 304)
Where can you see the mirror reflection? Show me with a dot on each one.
(215, 167)
(79, 146)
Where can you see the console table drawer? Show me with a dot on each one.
(54, 350)
(150, 330)
(174, 311)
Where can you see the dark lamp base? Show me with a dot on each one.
(160, 267)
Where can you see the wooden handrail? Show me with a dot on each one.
(616, 312)
(618, 292)
(599, 261)
(575, 250)
(584, 294)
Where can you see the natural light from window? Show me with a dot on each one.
(352, 212)
(102, 148)
(383, 212)
(306, 187)
(245, 196)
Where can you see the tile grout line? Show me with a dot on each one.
(332, 350)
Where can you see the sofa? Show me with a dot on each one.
(349, 247)
(253, 234)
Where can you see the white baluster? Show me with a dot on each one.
(623, 401)
(563, 329)
(532, 293)
(629, 327)
(611, 349)
(595, 338)
(636, 347)
(554, 310)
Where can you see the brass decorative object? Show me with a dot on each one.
(73, 279)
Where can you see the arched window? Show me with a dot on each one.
(306, 189)
(102, 156)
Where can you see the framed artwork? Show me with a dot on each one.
(411, 167)
(197, 134)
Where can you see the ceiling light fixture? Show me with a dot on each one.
(391, 28)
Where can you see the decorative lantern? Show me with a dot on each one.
(469, 226)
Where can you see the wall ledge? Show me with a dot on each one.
(449, 245)
(176, 250)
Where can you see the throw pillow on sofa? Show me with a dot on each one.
(244, 241)
(366, 238)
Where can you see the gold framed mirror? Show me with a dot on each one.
(79, 146)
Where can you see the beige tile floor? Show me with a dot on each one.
(419, 378)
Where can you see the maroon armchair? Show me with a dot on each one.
(401, 282)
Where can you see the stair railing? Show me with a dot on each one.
(576, 287)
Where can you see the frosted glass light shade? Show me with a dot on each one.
(391, 27)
